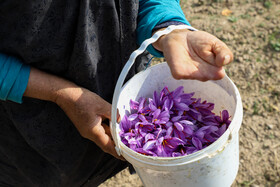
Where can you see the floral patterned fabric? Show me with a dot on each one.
(87, 42)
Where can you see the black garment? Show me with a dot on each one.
(87, 42)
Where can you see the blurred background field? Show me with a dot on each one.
(251, 28)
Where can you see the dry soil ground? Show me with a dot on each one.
(251, 28)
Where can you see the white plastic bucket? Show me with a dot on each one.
(216, 165)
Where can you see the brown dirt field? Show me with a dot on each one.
(252, 31)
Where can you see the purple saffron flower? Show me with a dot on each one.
(198, 110)
(180, 129)
(176, 94)
(187, 98)
(191, 149)
(145, 152)
(210, 120)
(197, 142)
(134, 105)
(144, 127)
(193, 115)
(203, 107)
(132, 117)
(180, 151)
(134, 143)
(160, 117)
(168, 104)
(126, 125)
(163, 146)
(149, 136)
(188, 127)
(204, 136)
(223, 122)
(139, 107)
(181, 106)
(224, 118)
(157, 100)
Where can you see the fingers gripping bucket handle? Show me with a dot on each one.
(126, 69)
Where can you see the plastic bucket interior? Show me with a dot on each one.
(215, 165)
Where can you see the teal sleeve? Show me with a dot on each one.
(20, 85)
(14, 77)
(4, 68)
(10, 72)
(154, 12)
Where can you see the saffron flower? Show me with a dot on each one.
(171, 124)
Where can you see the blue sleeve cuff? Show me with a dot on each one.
(20, 85)
(10, 71)
(155, 12)
(166, 24)
(14, 77)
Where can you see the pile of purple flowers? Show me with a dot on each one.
(171, 124)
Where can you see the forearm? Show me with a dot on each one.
(18, 79)
(83, 107)
(45, 86)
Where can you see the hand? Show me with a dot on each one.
(194, 55)
(84, 108)
(87, 111)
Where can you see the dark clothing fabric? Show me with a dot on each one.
(87, 42)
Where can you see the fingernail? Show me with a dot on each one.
(226, 60)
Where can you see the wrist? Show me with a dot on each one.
(67, 95)
(158, 44)
(166, 40)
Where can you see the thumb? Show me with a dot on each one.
(223, 54)
(106, 112)
(102, 139)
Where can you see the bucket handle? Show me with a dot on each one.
(124, 72)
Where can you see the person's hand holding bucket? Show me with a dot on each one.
(194, 54)
(87, 110)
